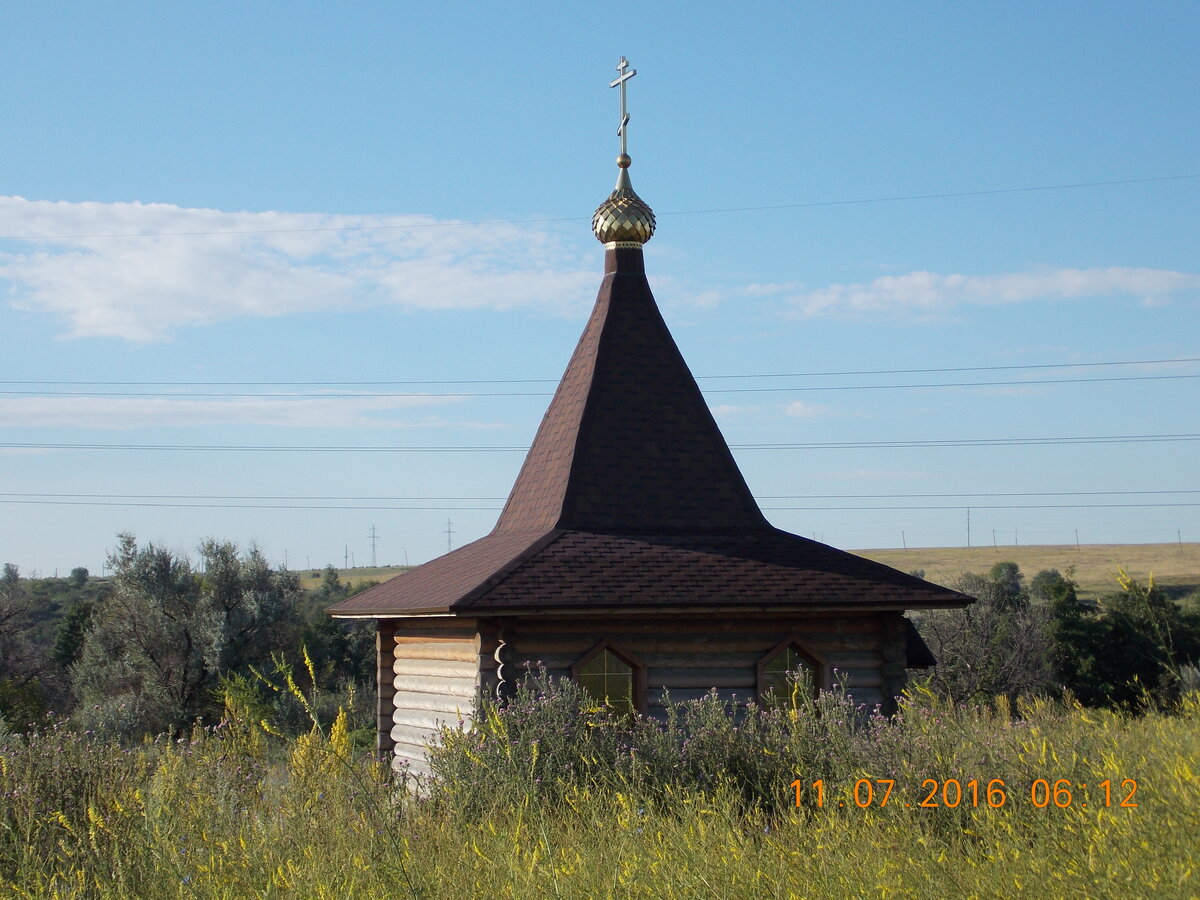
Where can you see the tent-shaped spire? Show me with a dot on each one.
(628, 444)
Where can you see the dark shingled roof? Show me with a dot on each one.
(630, 499)
(628, 443)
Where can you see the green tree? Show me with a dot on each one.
(1004, 580)
(342, 650)
(159, 642)
(331, 589)
(14, 621)
(1135, 647)
(1000, 645)
(1049, 585)
(1074, 631)
(69, 635)
(1148, 640)
(21, 695)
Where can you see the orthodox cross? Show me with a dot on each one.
(626, 74)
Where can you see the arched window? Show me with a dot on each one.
(774, 680)
(611, 676)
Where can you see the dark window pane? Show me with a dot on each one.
(776, 684)
(608, 679)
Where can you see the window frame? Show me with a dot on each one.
(635, 664)
(821, 671)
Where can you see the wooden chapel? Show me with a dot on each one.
(630, 554)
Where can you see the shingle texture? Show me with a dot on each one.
(508, 572)
(630, 497)
(628, 443)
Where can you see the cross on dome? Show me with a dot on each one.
(624, 219)
(626, 74)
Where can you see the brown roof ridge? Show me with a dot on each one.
(498, 576)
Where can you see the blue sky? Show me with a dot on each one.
(288, 225)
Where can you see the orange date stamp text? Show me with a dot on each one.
(951, 793)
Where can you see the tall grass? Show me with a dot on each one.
(599, 806)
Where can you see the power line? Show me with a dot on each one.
(977, 506)
(810, 445)
(945, 384)
(288, 396)
(258, 497)
(290, 506)
(380, 499)
(409, 226)
(157, 505)
(973, 442)
(259, 448)
(939, 196)
(466, 394)
(1087, 365)
(966, 495)
(837, 374)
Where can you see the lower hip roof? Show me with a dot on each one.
(580, 571)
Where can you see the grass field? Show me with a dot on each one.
(1082, 804)
(311, 578)
(1173, 565)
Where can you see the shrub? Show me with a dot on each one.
(552, 738)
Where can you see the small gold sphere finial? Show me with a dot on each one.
(624, 161)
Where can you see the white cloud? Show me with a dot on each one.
(931, 293)
(143, 271)
(729, 410)
(139, 412)
(801, 410)
(770, 289)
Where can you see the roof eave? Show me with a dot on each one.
(857, 606)
(393, 613)
(344, 609)
(545, 609)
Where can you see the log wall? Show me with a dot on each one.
(435, 679)
(688, 656)
(432, 670)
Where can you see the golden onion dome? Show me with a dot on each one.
(624, 218)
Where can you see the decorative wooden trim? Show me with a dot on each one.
(505, 672)
(630, 659)
(385, 691)
(822, 680)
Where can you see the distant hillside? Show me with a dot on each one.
(1174, 566)
(310, 579)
